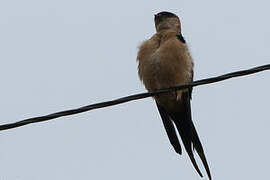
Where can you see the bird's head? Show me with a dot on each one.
(167, 21)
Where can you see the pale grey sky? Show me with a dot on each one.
(57, 55)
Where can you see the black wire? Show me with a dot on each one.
(133, 97)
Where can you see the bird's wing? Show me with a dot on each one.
(181, 38)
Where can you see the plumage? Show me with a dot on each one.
(164, 61)
(181, 38)
(170, 129)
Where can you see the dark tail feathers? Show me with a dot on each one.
(188, 134)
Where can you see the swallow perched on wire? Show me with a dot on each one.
(164, 61)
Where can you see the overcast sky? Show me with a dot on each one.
(56, 55)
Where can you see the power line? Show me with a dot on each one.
(133, 97)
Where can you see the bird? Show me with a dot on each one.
(164, 61)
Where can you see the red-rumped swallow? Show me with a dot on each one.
(164, 61)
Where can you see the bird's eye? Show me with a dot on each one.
(158, 17)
